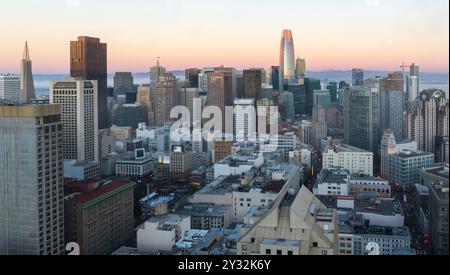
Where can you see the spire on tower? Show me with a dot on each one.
(26, 53)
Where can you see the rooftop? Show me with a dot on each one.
(204, 209)
(343, 148)
(411, 154)
(383, 206)
(104, 192)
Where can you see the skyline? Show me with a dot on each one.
(371, 36)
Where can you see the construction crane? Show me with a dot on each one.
(403, 66)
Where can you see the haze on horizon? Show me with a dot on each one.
(335, 35)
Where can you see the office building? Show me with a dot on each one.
(310, 86)
(333, 88)
(361, 109)
(88, 61)
(123, 83)
(129, 115)
(252, 84)
(413, 83)
(405, 166)
(144, 98)
(10, 88)
(100, 218)
(134, 165)
(244, 120)
(357, 77)
(287, 60)
(348, 157)
(321, 101)
(164, 96)
(180, 164)
(299, 93)
(391, 104)
(27, 92)
(123, 132)
(222, 149)
(287, 98)
(79, 114)
(275, 77)
(191, 75)
(31, 177)
(388, 147)
(300, 68)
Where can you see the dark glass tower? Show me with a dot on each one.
(88, 60)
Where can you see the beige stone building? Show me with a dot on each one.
(293, 225)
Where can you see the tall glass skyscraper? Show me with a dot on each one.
(287, 59)
(361, 118)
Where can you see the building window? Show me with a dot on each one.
(290, 253)
(315, 244)
(279, 252)
(268, 252)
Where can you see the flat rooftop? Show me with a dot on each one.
(412, 154)
(439, 171)
(206, 209)
(385, 207)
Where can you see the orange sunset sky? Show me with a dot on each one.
(339, 35)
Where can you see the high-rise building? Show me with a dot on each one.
(388, 147)
(27, 92)
(219, 94)
(288, 100)
(88, 60)
(287, 60)
(361, 118)
(413, 83)
(393, 82)
(123, 83)
(333, 88)
(321, 101)
(391, 104)
(275, 75)
(358, 77)
(78, 99)
(31, 177)
(311, 85)
(10, 88)
(300, 68)
(156, 72)
(144, 100)
(252, 84)
(192, 76)
(244, 120)
(427, 120)
(163, 98)
(129, 115)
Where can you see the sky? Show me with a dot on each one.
(329, 34)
